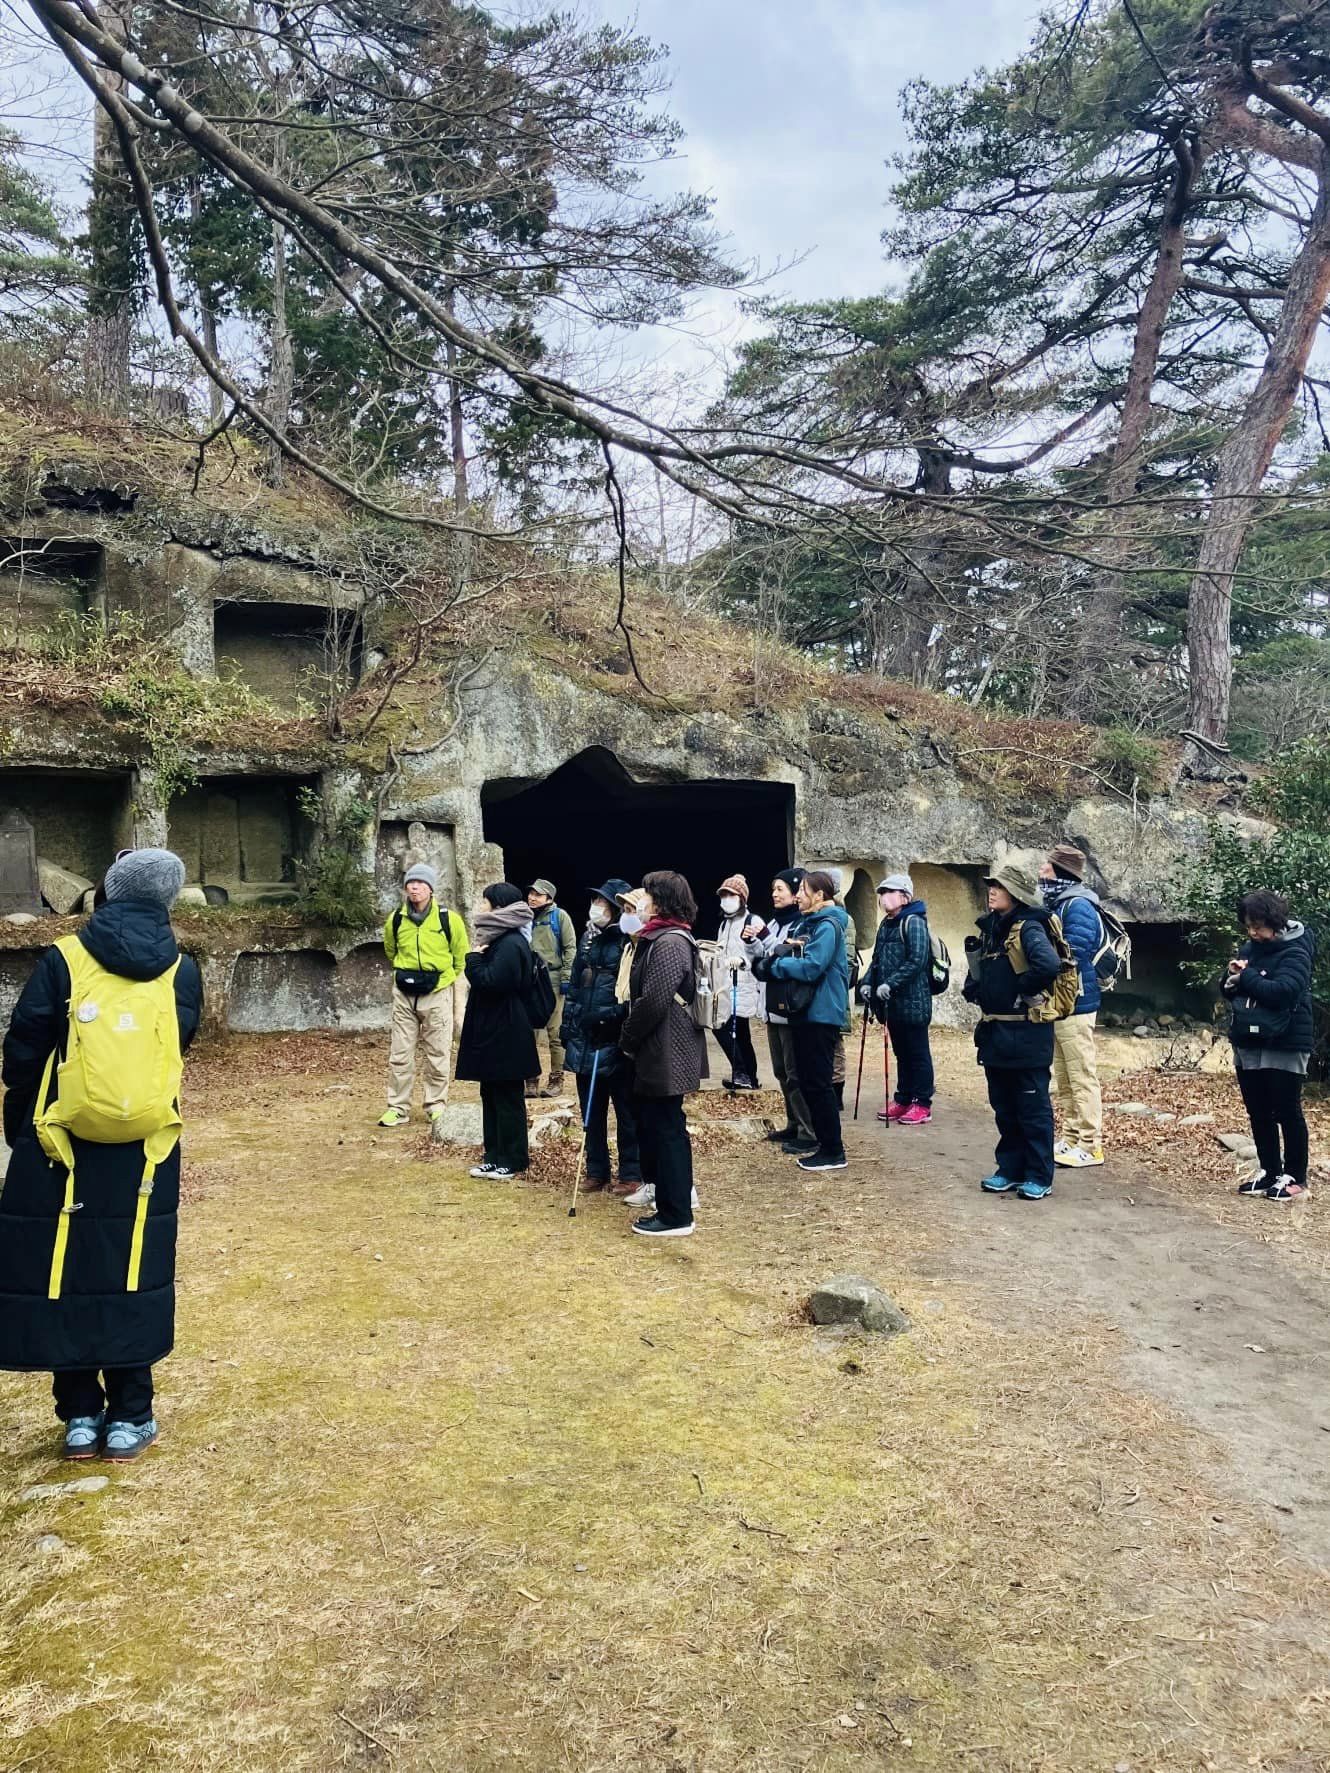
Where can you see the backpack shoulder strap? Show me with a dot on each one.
(397, 926)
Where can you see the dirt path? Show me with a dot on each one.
(1213, 1321)
(449, 1481)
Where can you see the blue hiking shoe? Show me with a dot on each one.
(1034, 1190)
(83, 1436)
(126, 1440)
(999, 1184)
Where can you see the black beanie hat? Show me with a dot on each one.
(791, 877)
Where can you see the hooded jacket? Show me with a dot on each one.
(1005, 1038)
(1077, 905)
(96, 1321)
(900, 960)
(823, 963)
(1271, 999)
(592, 1013)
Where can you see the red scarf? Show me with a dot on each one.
(657, 924)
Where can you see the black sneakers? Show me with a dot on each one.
(825, 1160)
(779, 1135)
(799, 1147)
(658, 1228)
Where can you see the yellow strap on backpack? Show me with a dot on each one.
(1059, 1000)
(118, 1084)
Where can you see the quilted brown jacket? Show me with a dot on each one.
(667, 1048)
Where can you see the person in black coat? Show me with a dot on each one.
(592, 1018)
(498, 1047)
(112, 1318)
(1269, 990)
(1011, 964)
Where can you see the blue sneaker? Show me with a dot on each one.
(126, 1440)
(999, 1184)
(83, 1436)
(1034, 1190)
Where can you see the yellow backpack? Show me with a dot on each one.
(1059, 1001)
(118, 1083)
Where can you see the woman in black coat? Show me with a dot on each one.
(1269, 990)
(592, 1018)
(498, 1048)
(113, 1317)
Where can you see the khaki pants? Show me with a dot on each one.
(549, 1036)
(1076, 1075)
(425, 1023)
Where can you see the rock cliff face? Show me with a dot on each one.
(538, 770)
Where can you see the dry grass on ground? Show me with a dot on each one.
(451, 1481)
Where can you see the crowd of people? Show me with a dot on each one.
(93, 1059)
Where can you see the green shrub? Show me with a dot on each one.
(1295, 861)
(1128, 760)
(335, 888)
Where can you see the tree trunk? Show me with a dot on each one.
(1244, 462)
(457, 428)
(282, 367)
(112, 278)
(207, 326)
(1103, 626)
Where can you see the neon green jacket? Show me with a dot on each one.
(414, 946)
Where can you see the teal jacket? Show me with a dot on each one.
(823, 963)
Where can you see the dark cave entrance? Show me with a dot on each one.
(590, 820)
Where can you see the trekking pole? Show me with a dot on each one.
(586, 1122)
(863, 1042)
(734, 1022)
(886, 1072)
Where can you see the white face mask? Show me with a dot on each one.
(630, 923)
(729, 904)
(600, 916)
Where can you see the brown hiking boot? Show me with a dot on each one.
(555, 1086)
(532, 1089)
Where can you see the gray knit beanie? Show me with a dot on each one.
(153, 875)
(422, 871)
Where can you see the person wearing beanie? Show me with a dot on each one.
(898, 990)
(592, 1019)
(1011, 963)
(735, 1038)
(88, 1219)
(1075, 1062)
(554, 939)
(426, 945)
(796, 1137)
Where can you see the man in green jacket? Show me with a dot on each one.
(554, 939)
(427, 947)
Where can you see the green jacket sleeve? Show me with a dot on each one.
(458, 941)
(389, 945)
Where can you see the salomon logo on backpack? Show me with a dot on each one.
(1112, 959)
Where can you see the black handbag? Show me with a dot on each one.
(416, 981)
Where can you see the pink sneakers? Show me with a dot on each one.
(916, 1116)
(893, 1111)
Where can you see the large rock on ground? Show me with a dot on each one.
(850, 1299)
(62, 890)
(459, 1124)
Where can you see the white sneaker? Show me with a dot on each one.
(1063, 1145)
(482, 1170)
(1076, 1157)
(645, 1197)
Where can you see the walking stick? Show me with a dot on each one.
(863, 1042)
(586, 1122)
(734, 1023)
(886, 1071)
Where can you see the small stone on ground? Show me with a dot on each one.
(87, 1486)
(850, 1299)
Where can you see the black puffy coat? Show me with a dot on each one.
(1271, 999)
(497, 1044)
(592, 1014)
(1000, 991)
(95, 1322)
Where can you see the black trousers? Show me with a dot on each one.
(503, 1115)
(611, 1087)
(814, 1056)
(667, 1156)
(780, 1043)
(914, 1064)
(1024, 1114)
(737, 1047)
(1274, 1107)
(126, 1393)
